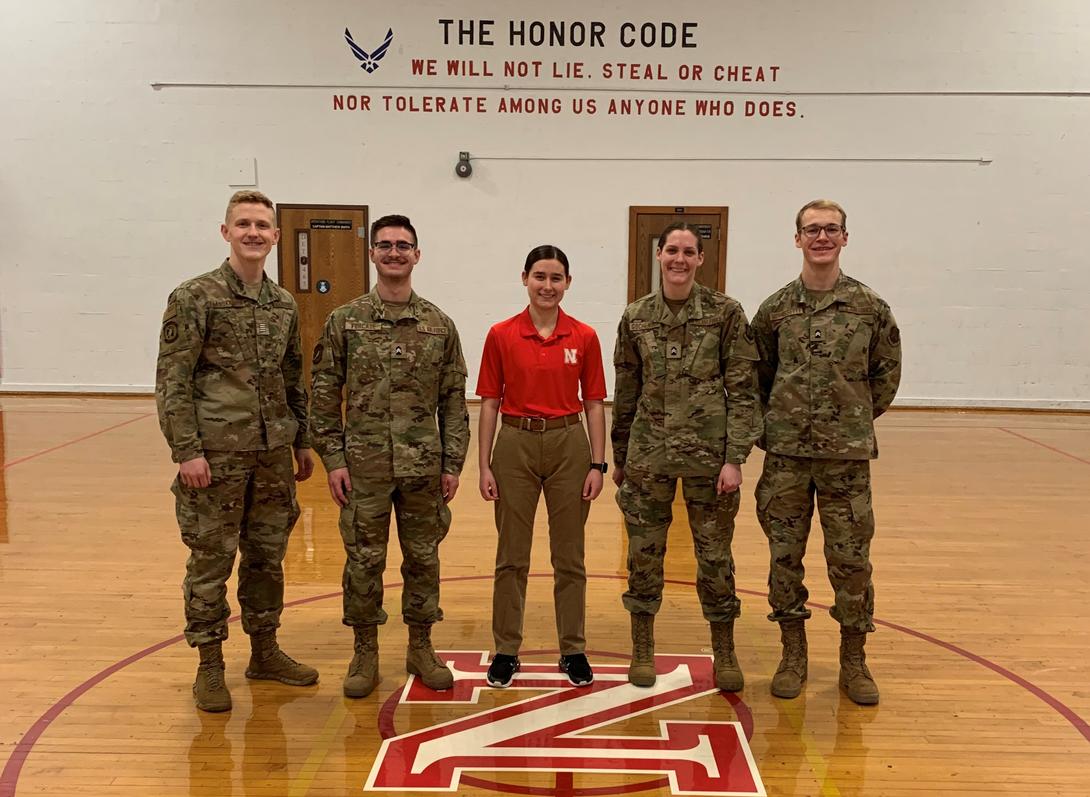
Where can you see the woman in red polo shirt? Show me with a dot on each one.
(532, 370)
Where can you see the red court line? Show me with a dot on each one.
(9, 778)
(7, 465)
(1044, 445)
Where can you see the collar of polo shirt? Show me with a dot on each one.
(528, 330)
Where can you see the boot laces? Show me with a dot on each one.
(421, 640)
(424, 647)
(855, 655)
(283, 658)
(792, 645)
(643, 635)
(723, 647)
(213, 673)
(356, 666)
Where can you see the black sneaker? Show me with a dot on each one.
(577, 669)
(502, 670)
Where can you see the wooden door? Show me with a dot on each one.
(645, 225)
(322, 260)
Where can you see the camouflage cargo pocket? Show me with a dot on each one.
(222, 345)
(346, 523)
(703, 359)
(861, 508)
(852, 347)
(654, 358)
(764, 495)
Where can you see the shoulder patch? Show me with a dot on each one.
(319, 350)
(171, 311)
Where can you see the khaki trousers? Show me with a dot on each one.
(526, 463)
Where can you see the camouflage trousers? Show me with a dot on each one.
(785, 506)
(250, 505)
(646, 501)
(422, 522)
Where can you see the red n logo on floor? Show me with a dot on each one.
(548, 732)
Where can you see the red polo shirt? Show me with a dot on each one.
(540, 378)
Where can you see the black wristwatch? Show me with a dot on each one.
(602, 466)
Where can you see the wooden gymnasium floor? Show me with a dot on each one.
(982, 654)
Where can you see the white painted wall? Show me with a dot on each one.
(111, 192)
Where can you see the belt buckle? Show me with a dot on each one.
(533, 421)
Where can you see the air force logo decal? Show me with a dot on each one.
(369, 62)
(561, 729)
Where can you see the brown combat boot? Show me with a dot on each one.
(728, 675)
(641, 672)
(787, 682)
(210, 691)
(269, 663)
(362, 677)
(855, 677)
(420, 660)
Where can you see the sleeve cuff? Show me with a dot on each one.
(736, 456)
(180, 455)
(335, 461)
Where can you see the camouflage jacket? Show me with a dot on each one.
(685, 395)
(230, 370)
(828, 368)
(396, 377)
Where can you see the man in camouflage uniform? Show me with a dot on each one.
(683, 407)
(232, 404)
(830, 364)
(396, 360)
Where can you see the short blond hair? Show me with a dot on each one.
(821, 204)
(247, 197)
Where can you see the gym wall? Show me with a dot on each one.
(956, 134)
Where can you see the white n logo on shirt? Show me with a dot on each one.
(569, 356)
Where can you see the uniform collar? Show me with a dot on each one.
(527, 329)
(694, 308)
(840, 292)
(378, 307)
(238, 287)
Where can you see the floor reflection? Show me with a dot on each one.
(265, 745)
(848, 762)
(788, 762)
(211, 765)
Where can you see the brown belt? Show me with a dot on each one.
(541, 424)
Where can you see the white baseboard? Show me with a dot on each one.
(30, 387)
(996, 404)
(906, 402)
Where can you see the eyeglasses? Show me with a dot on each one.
(386, 246)
(814, 230)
